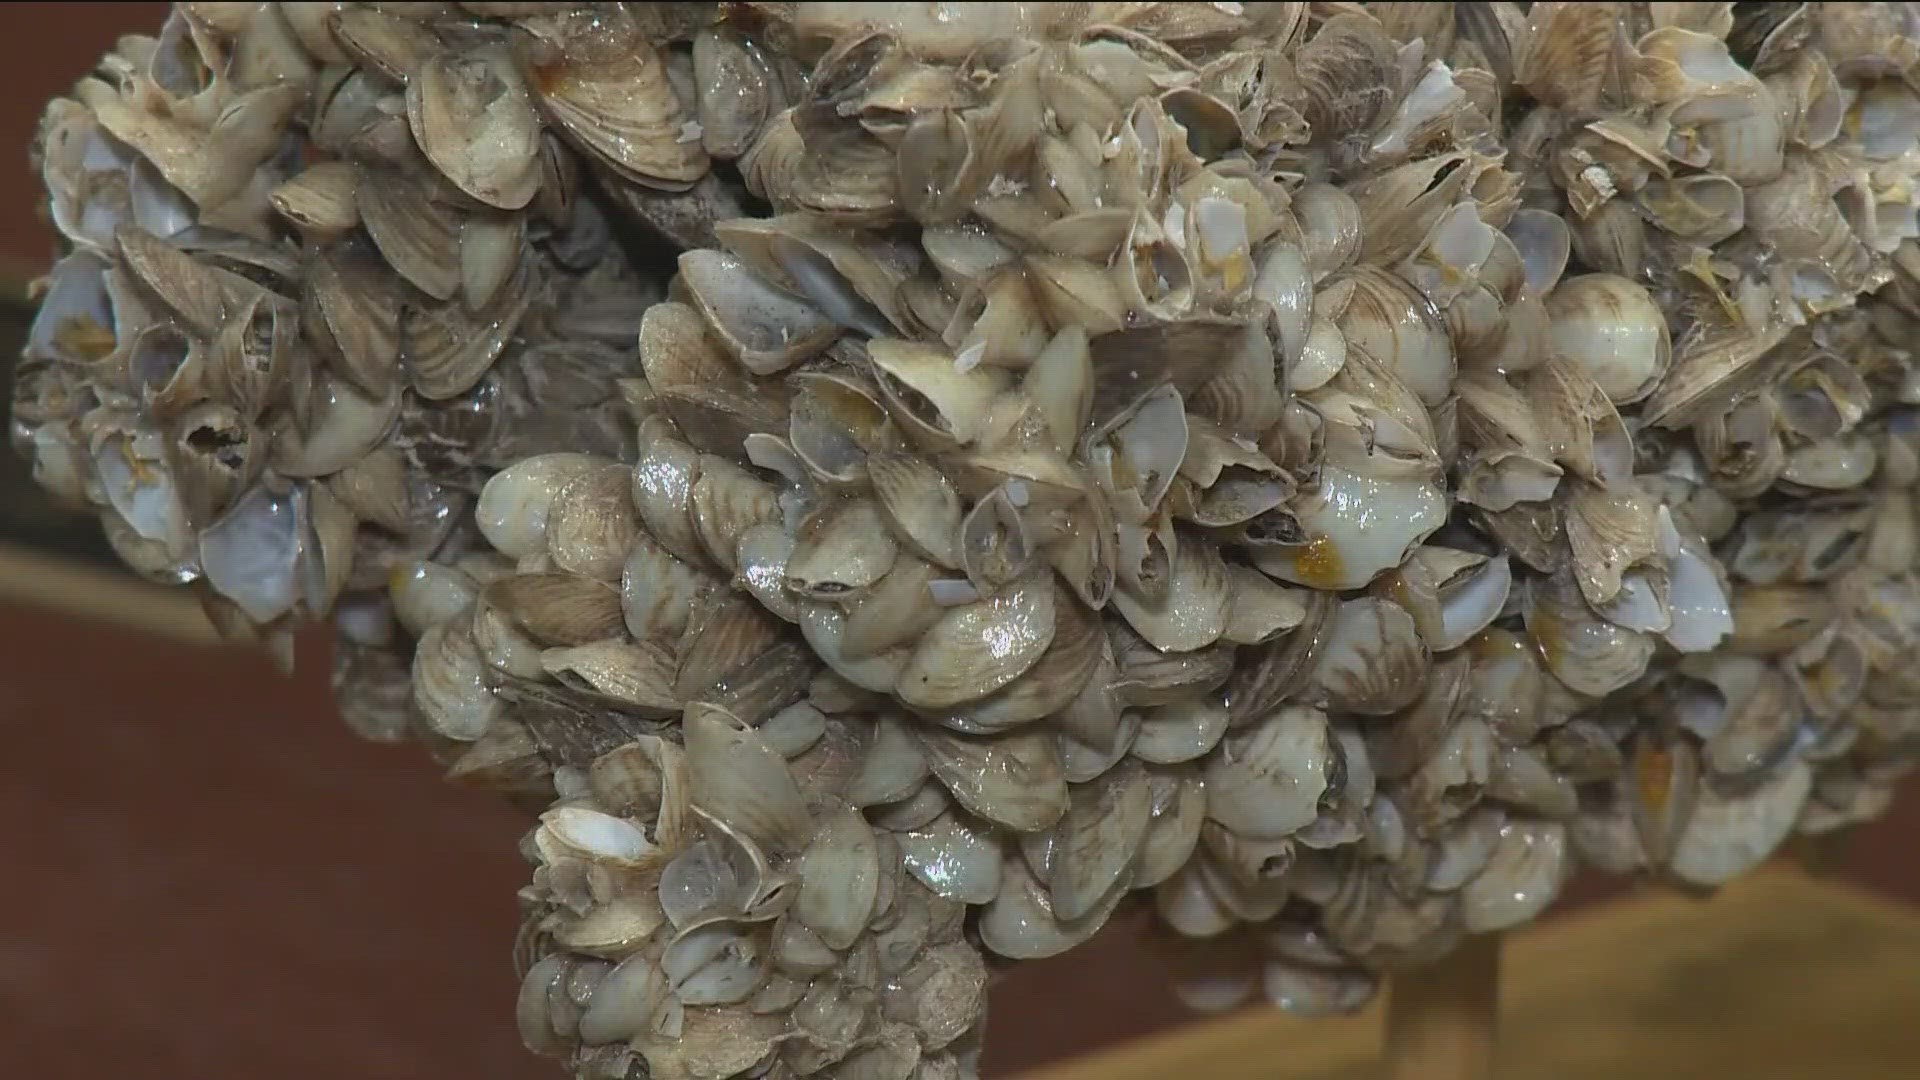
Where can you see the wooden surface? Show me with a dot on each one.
(1442, 1020)
(1780, 977)
(42, 580)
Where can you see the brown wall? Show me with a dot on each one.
(204, 877)
(48, 47)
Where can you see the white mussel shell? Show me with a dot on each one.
(955, 857)
(657, 591)
(345, 427)
(1178, 731)
(1267, 782)
(602, 81)
(1194, 609)
(740, 780)
(1373, 661)
(719, 963)
(1701, 614)
(824, 627)
(979, 647)
(1012, 780)
(252, 554)
(1357, 525)
(1136, 455)
(625, 1003)
(1542, 242)
(1611, 328)
(1306, 990)
(75, 322)
(1523, 875)
(1383, 315)
(426, 594)
(1587, 653)
(635, 675)
(1461, 851)
(929, 395)
(841, 549)
(1020, 923)
(451, 686)
(1098, 839)
(892, 765)
(839, 879)
(1731, 833)
(1470, 599)
(920, 504)
(1179, 813)
(472, 118)
(768, 329)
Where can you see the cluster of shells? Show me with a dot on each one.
(895, 481)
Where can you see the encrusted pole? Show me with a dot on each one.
(1441, 1020)
(900, 478)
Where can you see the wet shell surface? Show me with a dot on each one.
(896, 481)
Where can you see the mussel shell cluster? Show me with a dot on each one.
(285, 349)
(896, 482)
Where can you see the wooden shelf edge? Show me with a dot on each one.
(1589, 972)
(36, 579)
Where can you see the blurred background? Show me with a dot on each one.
(206, 876)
